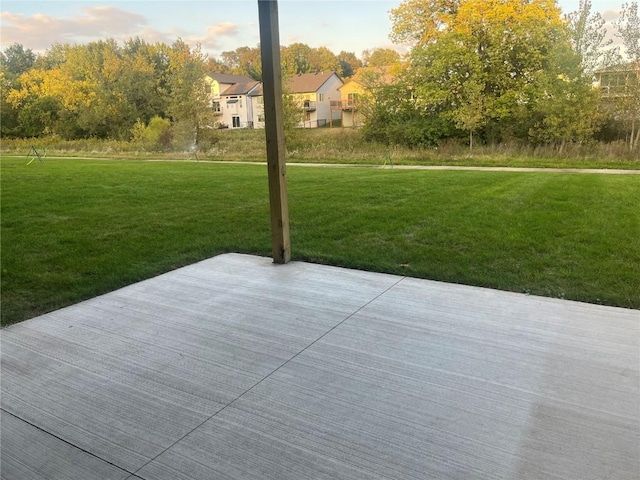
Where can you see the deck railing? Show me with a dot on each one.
(349, 104)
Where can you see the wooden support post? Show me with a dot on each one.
(274, 129)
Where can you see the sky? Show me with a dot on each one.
(218, 26)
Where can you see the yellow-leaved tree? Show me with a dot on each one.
(487, 65)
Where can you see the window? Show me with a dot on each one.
(216, 107)
(321, 97)
(236, 121)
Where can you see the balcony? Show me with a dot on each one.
(349, 104)
(309, 106)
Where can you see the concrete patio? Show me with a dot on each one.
(236, 368)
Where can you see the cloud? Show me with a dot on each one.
(610, 15)
(215, 34)
(39, 31)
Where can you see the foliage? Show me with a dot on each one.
(589, 38)
(15, 60)
(418, 22)
(102, 89)
(627, 103)
(241, 61)
(349, 63)
(155, 137)
(348, 146)
(380, 57)
(189, 103)
(394, 119)
(496, 69)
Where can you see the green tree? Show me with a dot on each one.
(449, 79)
(54, 57)
(588, 37)
(480, 64)
(395, 116)
(39, 117)
(156, 136)
(8, 114)
(419, 22)
(627, 104)
(322, 59)
(189, 102)
(380, 57)
(241, 61)
(15, 60)
(295, 58)
(349, 63)
(563, 107)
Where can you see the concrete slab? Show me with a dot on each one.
(236, 368)
(438, 381)
(126, 375)
(29, 453)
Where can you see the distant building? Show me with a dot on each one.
(355, 90)
(314, 93)
(232, 100)
(617, 81)
(237, 101)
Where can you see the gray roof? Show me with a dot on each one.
(230, 79)
(256, 92)
(240, 88)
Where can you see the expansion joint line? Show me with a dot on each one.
(131, 474)
(274, 371)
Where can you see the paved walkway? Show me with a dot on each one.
(235, 368)
(605, 171)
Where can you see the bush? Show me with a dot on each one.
(412, 130)
(155, 137)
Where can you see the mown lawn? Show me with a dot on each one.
(73, 229)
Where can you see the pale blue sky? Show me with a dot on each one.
(351, 25)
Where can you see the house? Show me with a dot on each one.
(314, 93)
(233, 100)
(355, 90)
(256, 99)
(618, 81)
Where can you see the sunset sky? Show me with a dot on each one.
(217, 25)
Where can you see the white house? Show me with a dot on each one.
(314, 93)
(257, 106)
(232, 99)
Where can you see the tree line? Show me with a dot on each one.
(301, 58)
(149, 92)
(496, 71)
(485, 71)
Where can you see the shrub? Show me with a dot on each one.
(155, 137)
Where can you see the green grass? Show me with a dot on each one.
(73, 229)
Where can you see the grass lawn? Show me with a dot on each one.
(73, 229)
